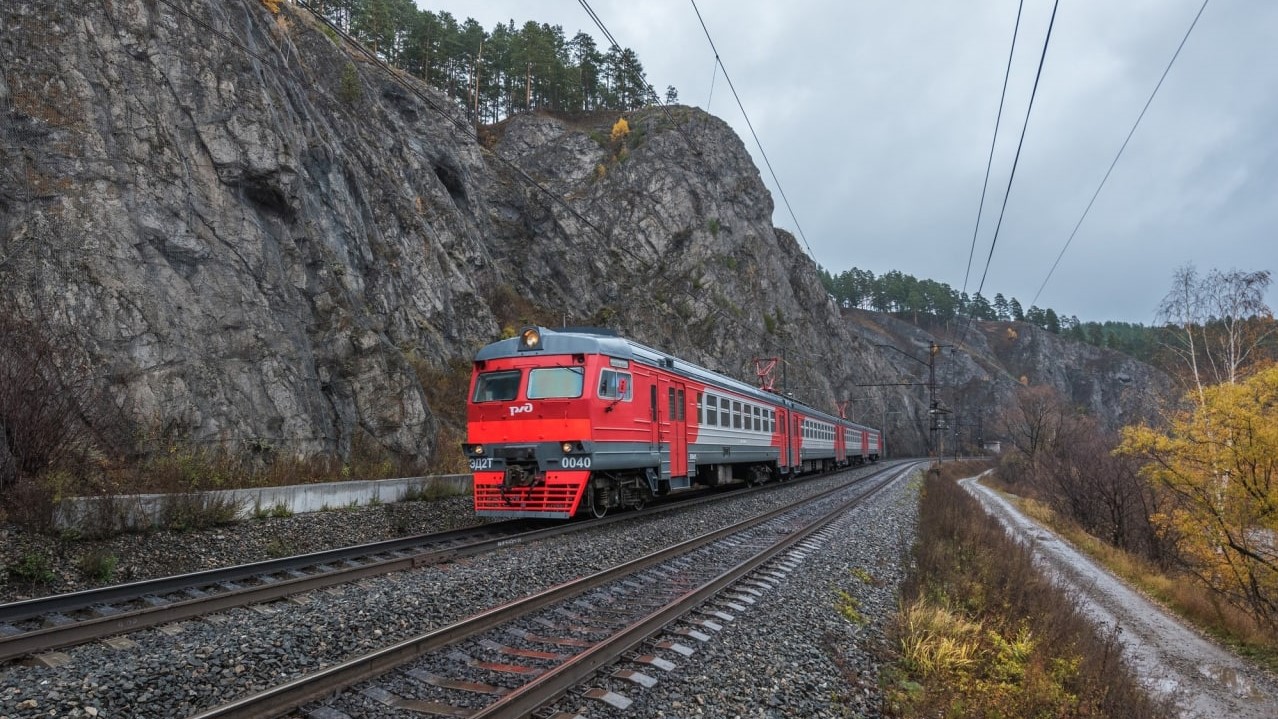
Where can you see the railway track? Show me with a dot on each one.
(514, 659)
(48, 623)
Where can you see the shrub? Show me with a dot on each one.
(182, 512)
(33, 569)
(620, 129)
(349, 90)
(279, 510)
(277, 548)
(98, 565)
(52, 414)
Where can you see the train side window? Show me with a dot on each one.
(701, 416)
(736, 415)
(652, 401)
(497, 386)
(672, 411)
(615, 385)
(682, 404)
(712, 411)
(725, 412)
(758, 420)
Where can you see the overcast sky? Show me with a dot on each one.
(877, 116)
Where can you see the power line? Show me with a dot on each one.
(993, 141)
(1016, 160)
(766, 161)
(1019, 145)
(1120, 151)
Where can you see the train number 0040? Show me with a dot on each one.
(575, 462)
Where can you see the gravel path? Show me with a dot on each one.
(175, 671)
(1174, 661)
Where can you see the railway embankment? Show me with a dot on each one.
(790, 649)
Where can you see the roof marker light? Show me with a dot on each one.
(530, 339)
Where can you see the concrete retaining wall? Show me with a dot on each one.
(141, 511)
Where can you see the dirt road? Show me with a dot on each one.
(1204, 680)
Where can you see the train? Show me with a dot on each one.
(580, 421)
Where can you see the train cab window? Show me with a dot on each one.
(556, 382)
(615, 385)
(497, 386)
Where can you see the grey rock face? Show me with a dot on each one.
(245, 252)
(256, 233)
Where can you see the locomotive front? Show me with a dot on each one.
(529, 436)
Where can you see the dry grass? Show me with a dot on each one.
(982, 634)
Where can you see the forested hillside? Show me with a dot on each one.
(914, 299)
(497, 73)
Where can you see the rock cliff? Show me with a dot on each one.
(260, 236)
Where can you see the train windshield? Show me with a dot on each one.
(497, 386)
(554, 382)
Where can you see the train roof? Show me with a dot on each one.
(583, 340)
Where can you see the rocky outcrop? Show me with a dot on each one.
(979, 366)
(259, 236)
(247, 251)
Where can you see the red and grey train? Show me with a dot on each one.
(562, 422)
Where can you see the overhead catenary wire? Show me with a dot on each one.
(1019, 146)
(1038, 76)
(989, 163)
(1120, 152)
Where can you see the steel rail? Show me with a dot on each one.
(84, 630)
(17, 611)
(525, 700)
(283, 698)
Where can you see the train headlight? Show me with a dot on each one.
(478, 449)
(530, 339)
(566, 447)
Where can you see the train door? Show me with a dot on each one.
(673, 422)
(796, 443)
(783, 426)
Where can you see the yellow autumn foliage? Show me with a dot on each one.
(620, 129)
(1217, 462)
(272, 5)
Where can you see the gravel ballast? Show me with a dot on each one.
(177, 671)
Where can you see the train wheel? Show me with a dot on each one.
(595, 504)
